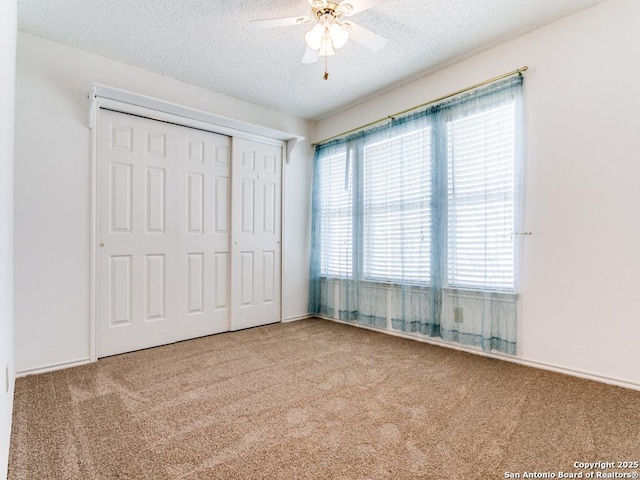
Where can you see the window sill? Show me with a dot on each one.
(451, 291)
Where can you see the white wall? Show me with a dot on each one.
(580, 300)
(52, 192)
(7, 84)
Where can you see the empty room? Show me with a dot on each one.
(316, 239)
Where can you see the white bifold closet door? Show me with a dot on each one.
(164, 263)
(255, 233)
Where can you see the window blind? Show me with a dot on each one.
(336, 215)
(397, 215)
(480, 208)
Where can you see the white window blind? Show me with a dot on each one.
(481, 210)
(336, 216)
(396, 212)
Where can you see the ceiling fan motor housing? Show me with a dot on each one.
(331, 11)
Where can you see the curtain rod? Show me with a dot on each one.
(425, 104)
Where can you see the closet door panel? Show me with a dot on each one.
(163, 233)
(256, 233)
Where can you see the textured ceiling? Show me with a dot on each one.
(207, 42)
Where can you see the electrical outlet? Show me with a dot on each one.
(458, 314)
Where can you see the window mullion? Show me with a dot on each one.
(355, 150)
(439, 202)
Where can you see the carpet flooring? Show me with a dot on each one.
(315, 400)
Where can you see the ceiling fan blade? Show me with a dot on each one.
(351, 7)
(310, 56)
(278, 22)
(365, 37)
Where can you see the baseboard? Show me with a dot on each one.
(52, 367)
(520, 361)
(434, 341)
(299, 317)
(83, 361)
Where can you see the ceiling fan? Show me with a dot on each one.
(330, 32)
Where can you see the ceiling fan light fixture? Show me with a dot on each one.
(339, 36)
(314, 37)
(329, 33)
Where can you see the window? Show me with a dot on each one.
(397, 216)
(428, 200)
(413, 222)
(336, 215)
(480, 204)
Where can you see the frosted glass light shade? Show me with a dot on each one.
(314, 37)
(326, 49)
(339, 35)
(326, 39)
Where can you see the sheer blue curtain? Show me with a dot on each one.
(414, 223)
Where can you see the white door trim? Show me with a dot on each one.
(104, 97)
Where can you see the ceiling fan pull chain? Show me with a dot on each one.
(326, 72)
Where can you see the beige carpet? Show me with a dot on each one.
(314, 399)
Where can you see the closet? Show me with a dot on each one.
(188, 232)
